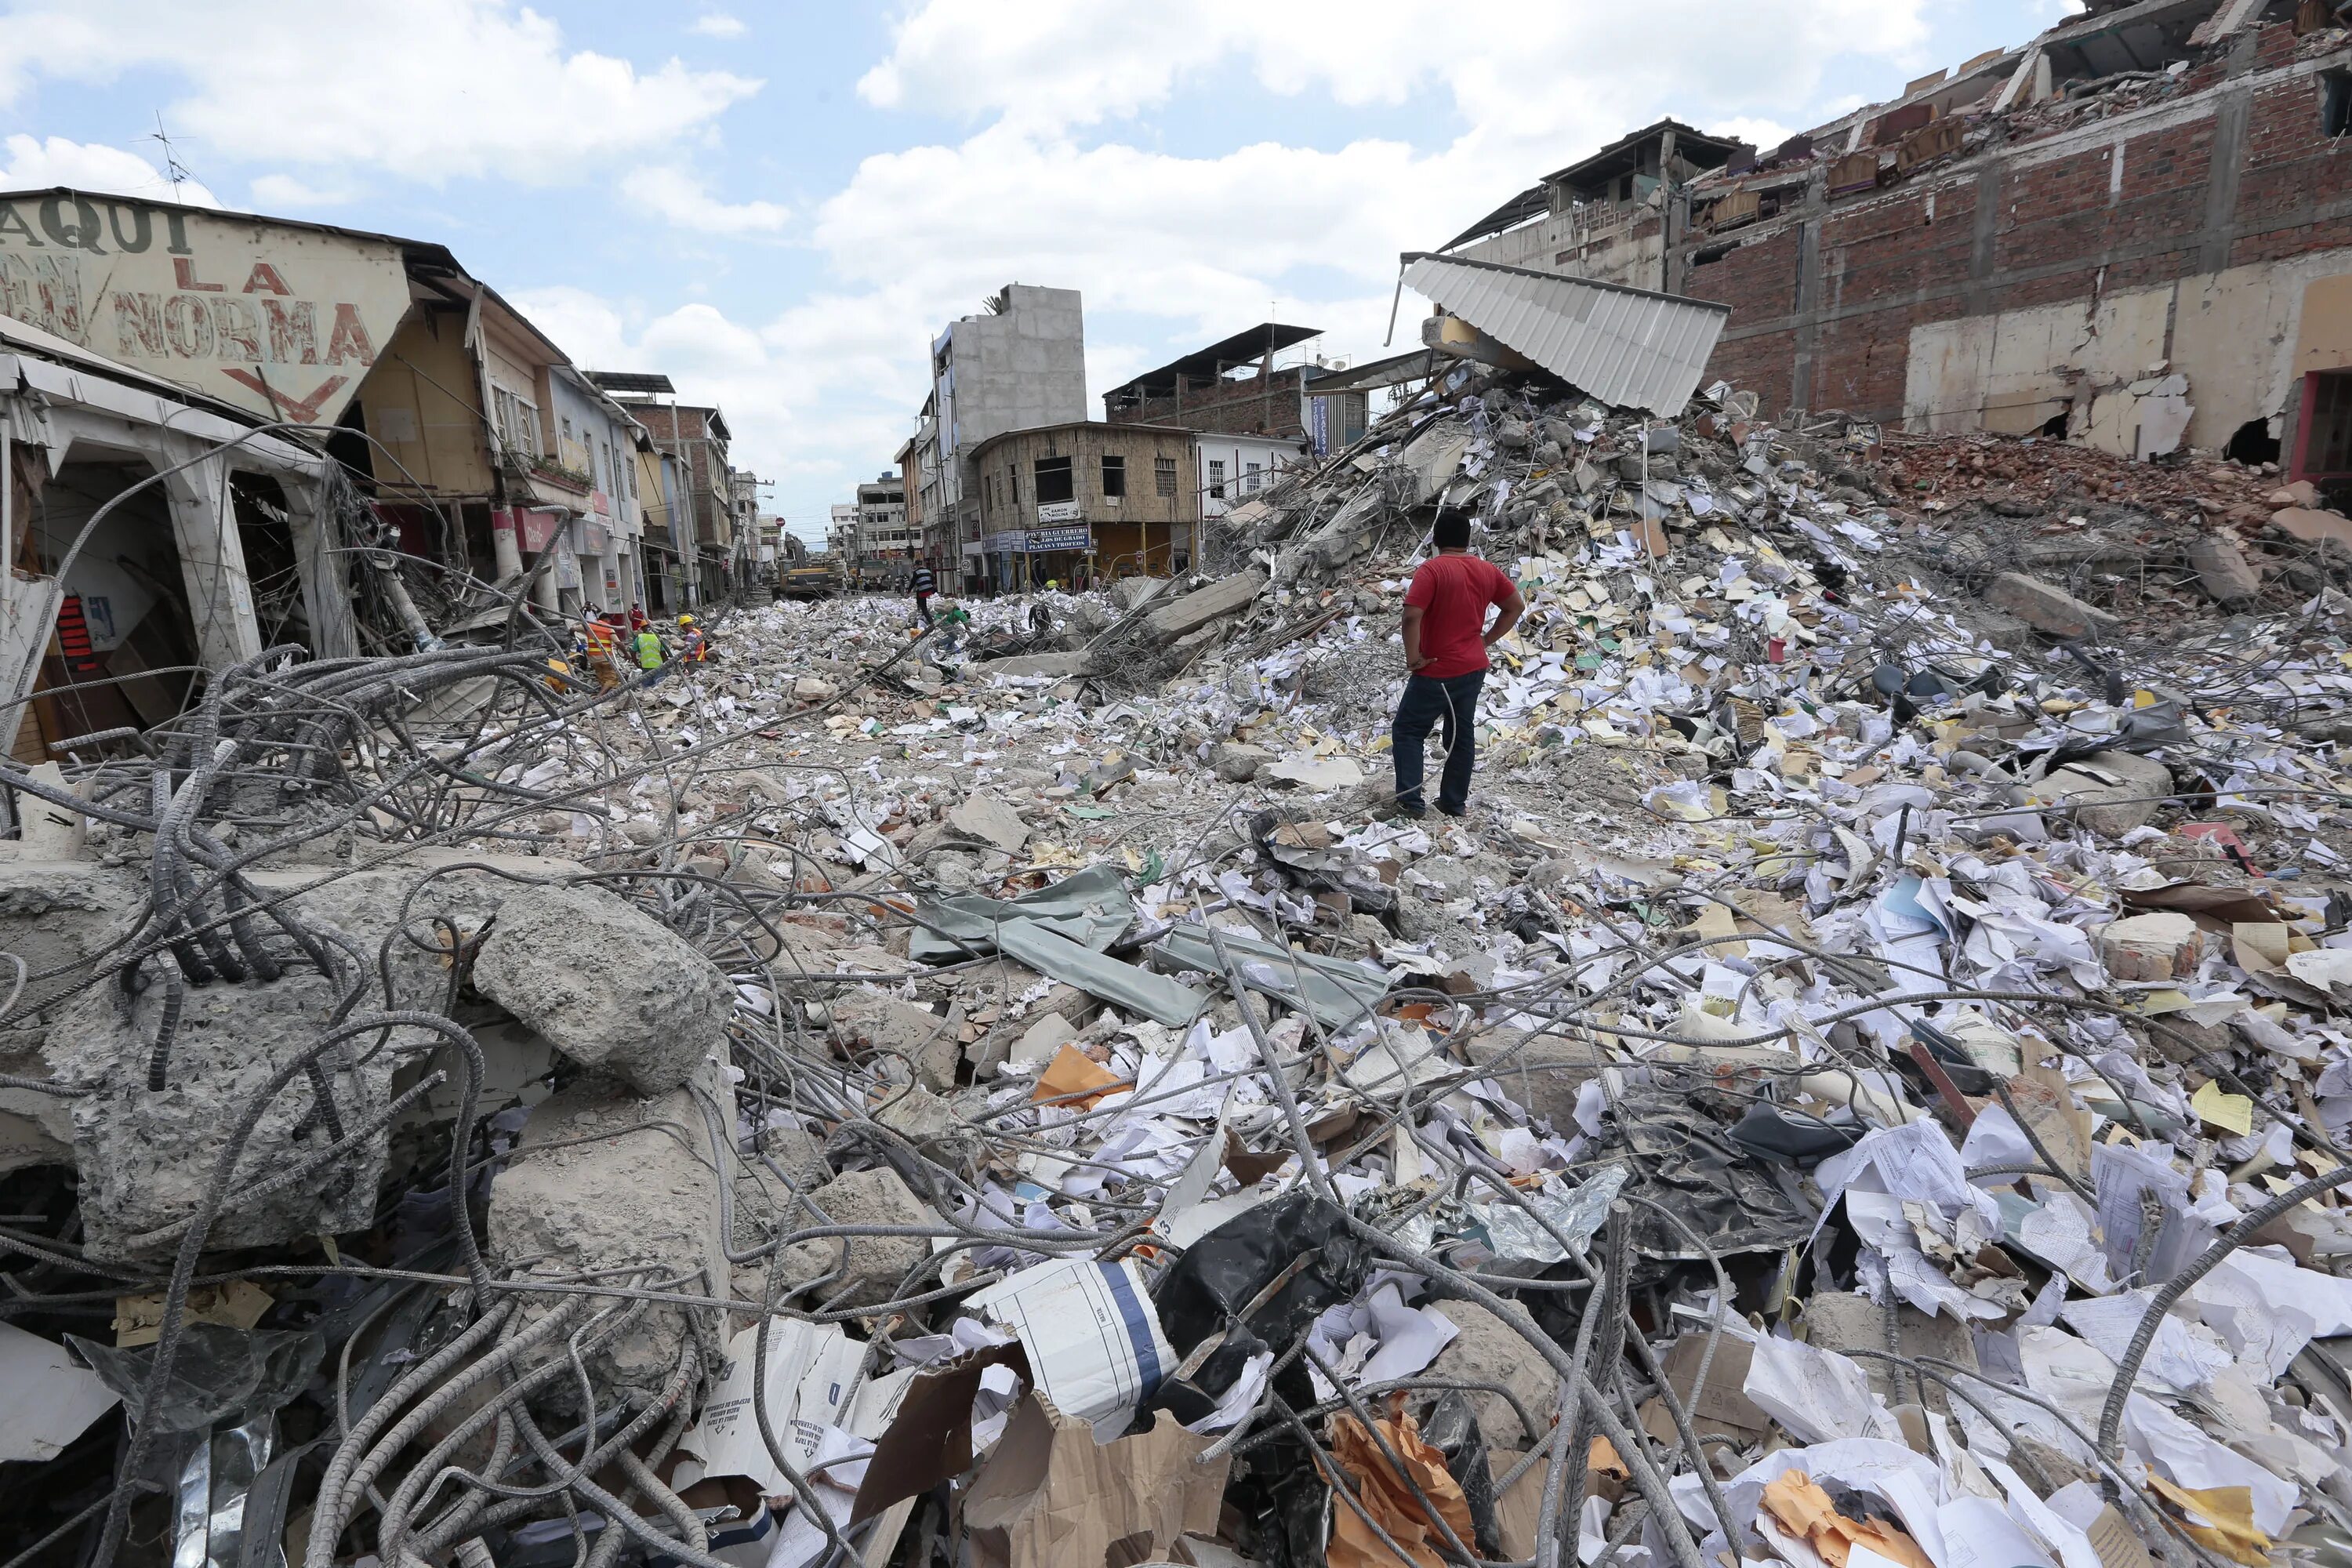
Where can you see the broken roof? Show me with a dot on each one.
(1626, 346)
(1624, 155)
(1244, 347)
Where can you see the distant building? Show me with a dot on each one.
(697, 435)
(1020, 365)
(884, 543)
(1233, 387)
(1080, 499)
(841, 532)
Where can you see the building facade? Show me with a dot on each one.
(1087, 502)
(2135, 230)
(1019, 366)
(697, 436)
(886, 547)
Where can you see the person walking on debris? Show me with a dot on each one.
(925, 585)
(693, 647)
(1446, 651)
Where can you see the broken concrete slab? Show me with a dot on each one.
(2112, 791)
(608, 985)
(2222, 569)
(1196, 609)
(1487, 1350)
(1238, 761)
(2045, 606)
(1842, 1321)
(1134, 593)
(916, 1036)
(991, 820)
(1317, 774)
(1544, 1075)
(602, 1180)
(876, 1264)
(146, 1157)
(2312, 526)
(1058, 665)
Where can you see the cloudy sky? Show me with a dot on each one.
(779, 205)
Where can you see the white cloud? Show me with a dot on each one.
(718, 24)
(1171, 250)
(274, 193)
(34, 162)
(680, 197)
(427, 90)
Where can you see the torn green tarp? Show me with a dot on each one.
(1090, 908)
(1155, 996)
(1336, 992)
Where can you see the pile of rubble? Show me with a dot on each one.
(1870, 1074)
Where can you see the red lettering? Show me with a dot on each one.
(293, 332)
(349, 340)
(265, 280)
(138, 324)
(183, 273)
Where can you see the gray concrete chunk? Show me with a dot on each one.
(876, 1263)
(608, 986)
(1490, 1351)
(147, 1157)
(2045, 606)
(1198, 608)
(601, 1181)
(1545, 1076)
(2112, 791)
(2222, 569)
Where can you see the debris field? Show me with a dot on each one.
(1869, 1075)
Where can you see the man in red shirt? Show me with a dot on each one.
(1446, 643)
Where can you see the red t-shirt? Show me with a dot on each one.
(1453, 593)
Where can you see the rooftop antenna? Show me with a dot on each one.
(173, 170)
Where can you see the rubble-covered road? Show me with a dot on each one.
(1869, 1074)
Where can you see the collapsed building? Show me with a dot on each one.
(1870, 1075)
(2128, 230)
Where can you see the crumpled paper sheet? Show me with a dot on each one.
(1389, 1500)
(1805, 1511)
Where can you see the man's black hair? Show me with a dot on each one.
(1451, 530)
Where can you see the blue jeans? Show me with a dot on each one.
(1427, 701)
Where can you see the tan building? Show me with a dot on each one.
(1082, 501)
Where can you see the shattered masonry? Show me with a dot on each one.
(1870, 1074)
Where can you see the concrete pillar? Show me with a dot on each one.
(504, 546)
(211, 564)
(325, 571)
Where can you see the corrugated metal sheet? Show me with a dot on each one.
(1628, 347)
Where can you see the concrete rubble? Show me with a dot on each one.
(1883, 1023)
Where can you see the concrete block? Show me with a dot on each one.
(2222, 569)
(1842, 1321)
(915, 1035)
(1058, 665)
(2311, 526)
(145, 1158)
(2045, 606)
(1545, 1077)
(1201, 606)
(2112, 791)
(991, 820)
(2162, 947)
(876, 1264)
(601, 1180)
(1489, 1350)
(608, 985)
(1238, 761)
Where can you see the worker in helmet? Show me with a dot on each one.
(652, 658)
(693, 647)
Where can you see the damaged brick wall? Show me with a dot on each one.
(2231, 171)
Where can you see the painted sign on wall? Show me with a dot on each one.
(279, 320)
